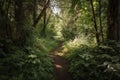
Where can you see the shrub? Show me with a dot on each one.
(26, 63)
(69, 33)
(95, 63)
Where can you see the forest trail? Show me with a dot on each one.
(60, 65)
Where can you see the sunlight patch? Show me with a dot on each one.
(58, 66)
(60, 54)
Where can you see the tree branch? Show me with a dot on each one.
(42, 12)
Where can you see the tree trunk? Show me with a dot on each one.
(20, 21)
(4, 20)
(95, 23)
(113, 31)
(44, 19)
(41, 13)
(34, 15)
(100, 21)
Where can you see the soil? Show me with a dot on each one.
(60, 65)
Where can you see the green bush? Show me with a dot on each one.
(45, 44)
(69, 33)
(95, 63)
(26, 63)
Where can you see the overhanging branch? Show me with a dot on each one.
(42, 12)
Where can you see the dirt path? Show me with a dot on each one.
(60, 65)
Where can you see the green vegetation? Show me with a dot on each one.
(88, 30)
(26, 63)
(95, 62)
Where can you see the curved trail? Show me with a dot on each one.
(60, 65)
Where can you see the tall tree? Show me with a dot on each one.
(95, 22)
(35, 11)
(4, 18)
(113, 32)
(41, 13)
(100, 20)
(45, 20)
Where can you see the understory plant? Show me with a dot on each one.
(24, 63)
(95, 62)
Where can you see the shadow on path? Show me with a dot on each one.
(60, 65)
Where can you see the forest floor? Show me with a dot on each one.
(60, 65)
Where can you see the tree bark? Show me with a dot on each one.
(4, 19)
(44, 19)
(100, 21)
(34, 15)
(113, 30)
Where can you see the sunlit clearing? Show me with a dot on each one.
(58, 66)
(78, 41)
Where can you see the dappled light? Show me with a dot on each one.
(77, 41)
(59, 39)
(58, 66)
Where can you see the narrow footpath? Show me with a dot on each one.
(60, 65)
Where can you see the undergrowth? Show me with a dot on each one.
(28, 62)
(95, 62)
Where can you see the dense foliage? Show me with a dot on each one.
(26, 63)
(95, 62)
(31, 29)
